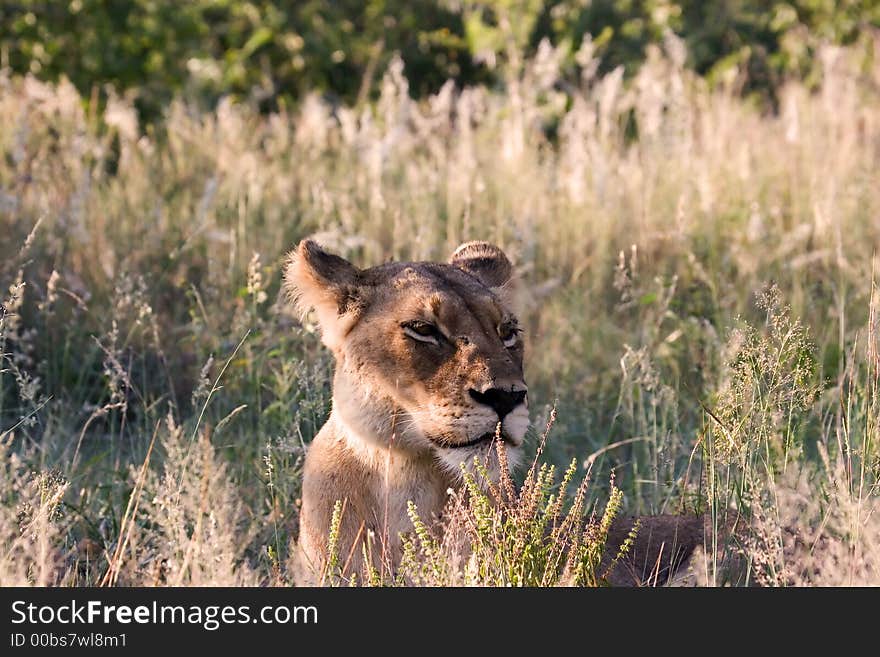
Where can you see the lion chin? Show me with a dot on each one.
(428, 383)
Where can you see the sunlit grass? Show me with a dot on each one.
(140, 277)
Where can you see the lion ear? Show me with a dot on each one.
(488, 264)
(317, 280)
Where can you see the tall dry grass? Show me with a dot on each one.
(647, 217)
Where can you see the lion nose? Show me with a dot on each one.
(500, 400)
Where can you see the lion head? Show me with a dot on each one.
(428, 355)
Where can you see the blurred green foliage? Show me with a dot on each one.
(778, 37)
(268, 51)
(275, 51)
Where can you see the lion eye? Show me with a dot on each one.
(509, 335)
(422, 331)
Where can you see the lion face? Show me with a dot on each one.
(429, 355)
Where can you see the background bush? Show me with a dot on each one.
(276, 52)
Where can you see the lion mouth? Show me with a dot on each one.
(486, 438)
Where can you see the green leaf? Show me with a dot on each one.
(259, 38)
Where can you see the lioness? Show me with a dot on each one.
(429, 361)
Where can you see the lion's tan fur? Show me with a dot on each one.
(402, 408)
